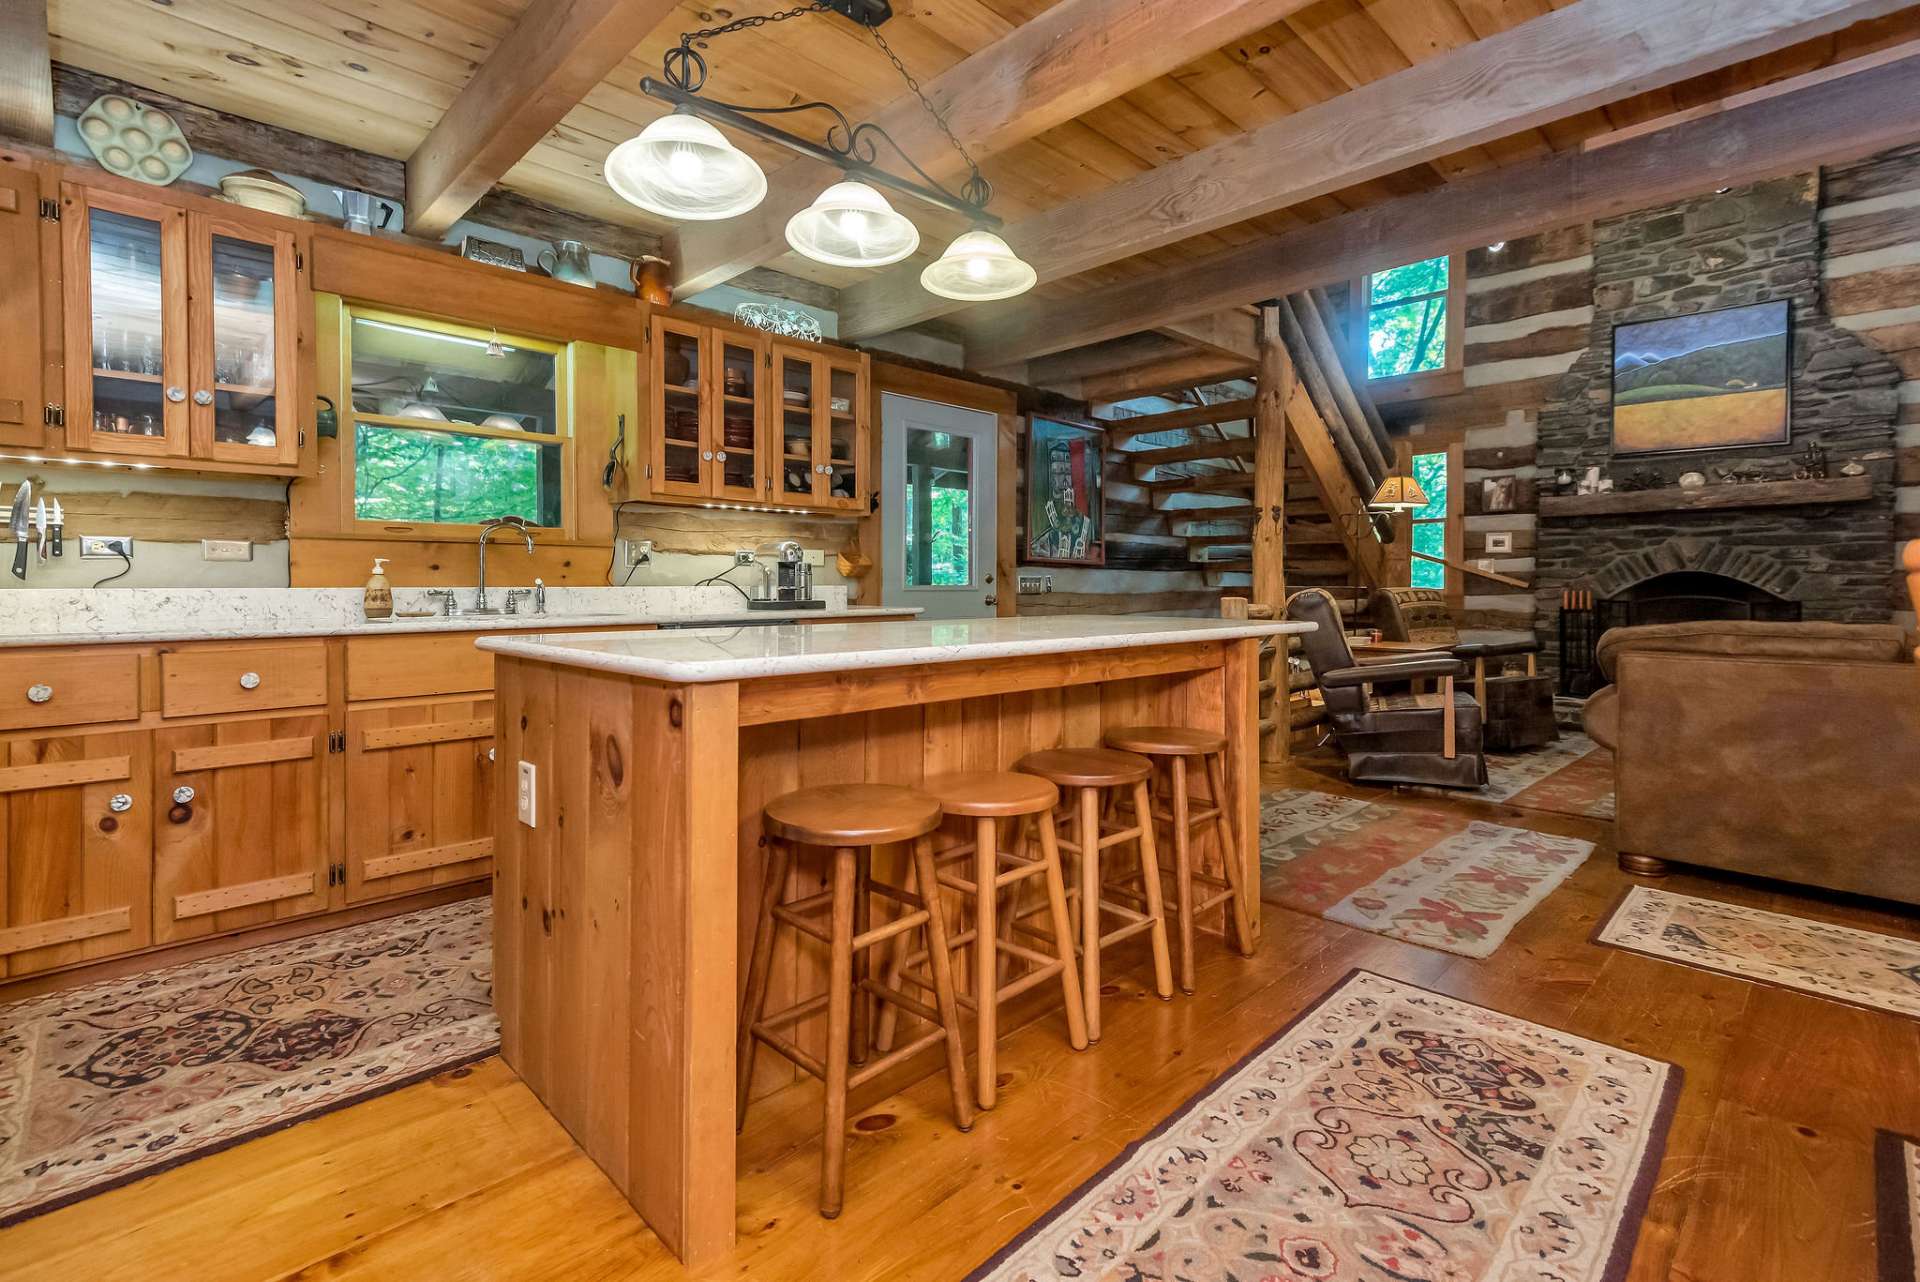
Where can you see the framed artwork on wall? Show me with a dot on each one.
(1710, 381)
(1065, 517)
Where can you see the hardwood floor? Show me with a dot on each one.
(1767, 1173)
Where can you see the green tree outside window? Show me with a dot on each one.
(1407, 318)
(1430, 522)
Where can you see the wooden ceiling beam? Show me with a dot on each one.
(1175, 373)
(1072, 58)
(1225, 333)
(1566, 61)
(554, 56)
(26, 73)
(1125, 429)
(1836, 120)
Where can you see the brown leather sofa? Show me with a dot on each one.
(1784, 750)
(1516, 706)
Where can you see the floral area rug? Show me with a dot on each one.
(1441, 880)
(105, 1084)
(1858, 967)
(1388, 1132)
(1571, 776)
(1896, 1162)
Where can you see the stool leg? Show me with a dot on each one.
(1183, 870)
(986, 959)
(1233, 859)
(1062, 934)
(1150, 872)
(759, 967)
(833, 1160)
(862, 1037)
(898, 951)
(941, 963)
(1090, 907)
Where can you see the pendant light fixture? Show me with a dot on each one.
(978, 267)
(681, 167)
(850, 224)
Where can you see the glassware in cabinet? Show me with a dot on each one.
(682, 448)
(739, 470)
(244, 408)
(845, 435)
(798, 389)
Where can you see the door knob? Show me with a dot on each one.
(120, 802)
(990, 600)
(183, 795)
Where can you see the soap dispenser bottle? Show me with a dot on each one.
(378, 603)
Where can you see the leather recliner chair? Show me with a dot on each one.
(1517, 707)
(1391, 738)
(1784, 750)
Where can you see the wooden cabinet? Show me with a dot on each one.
(73, 687)
(181, 332)
(420, 781)
(243, 678)
(734, 415)
(76, 843)
(239, 824)
(29, 306)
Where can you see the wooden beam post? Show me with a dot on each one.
(26, 74)
(553, 57)
(1270, 490)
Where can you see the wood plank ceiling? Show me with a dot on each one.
(379, 74)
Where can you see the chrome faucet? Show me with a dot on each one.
(519, 524)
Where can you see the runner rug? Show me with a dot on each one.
(1571, 776)
(1388, 1132)
(105, 1084)
(1896, 1162)
(1858, 967)
(1438, 879)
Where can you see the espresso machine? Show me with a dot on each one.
(790, 586)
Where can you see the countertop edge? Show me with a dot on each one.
(686, 672)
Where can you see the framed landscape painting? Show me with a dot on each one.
(1711, 381)
(1065, 519)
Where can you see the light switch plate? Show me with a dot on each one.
(226, 550)
(525, 803)
(1499, 541)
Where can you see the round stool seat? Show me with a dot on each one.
(991, 794)
(852, 814)
(1086, 767)
(1166, 741)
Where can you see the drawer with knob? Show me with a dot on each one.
(67, 688)
(243, 678)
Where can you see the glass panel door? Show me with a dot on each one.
(131, 397)
(680, 449)
(242, 409)
(844, 485)
(738, 472)
(800, 463)
(937, 498)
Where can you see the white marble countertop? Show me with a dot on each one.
(741, 654)
(134, 615)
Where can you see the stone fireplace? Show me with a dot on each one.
(1813, 559)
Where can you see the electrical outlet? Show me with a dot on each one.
(1030, 584)
(814, 556)
(1499, 541)
(742, 557)
(635, 553)
(107, 546)
(524, 804)
(226, 550)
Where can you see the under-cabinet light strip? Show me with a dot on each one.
(76, 462)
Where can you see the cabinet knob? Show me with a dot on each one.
(707, 455)
(720, 456)
(176, 394)
(120, 802)
(249, 680)
(39, 693)
(203, 397)
(827, 468)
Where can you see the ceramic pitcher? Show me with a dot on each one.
(567, 261)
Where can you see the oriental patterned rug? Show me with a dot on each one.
(1388, 1132)
(104, 1084)
(1857, 967)
(1896, 1173)
(1571, 776)
(1439, 879)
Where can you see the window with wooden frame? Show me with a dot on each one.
(451, 426)
(1413, 331)
(1436, 530)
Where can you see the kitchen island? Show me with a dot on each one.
(629, 860)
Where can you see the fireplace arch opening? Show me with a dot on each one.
(1695, 596)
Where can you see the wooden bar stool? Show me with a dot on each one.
(1171, 748)
(979, 870)
(1096, 773)
(850, 819)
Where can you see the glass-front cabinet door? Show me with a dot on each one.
(681, 446)
(799, 379)
(242, 359)
(128, 379)
(740, 468)
(843, 437)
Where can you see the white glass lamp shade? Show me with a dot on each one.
(852, 225)
(978, 267)
(681, 167)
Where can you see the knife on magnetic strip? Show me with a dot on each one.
(17, 522)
